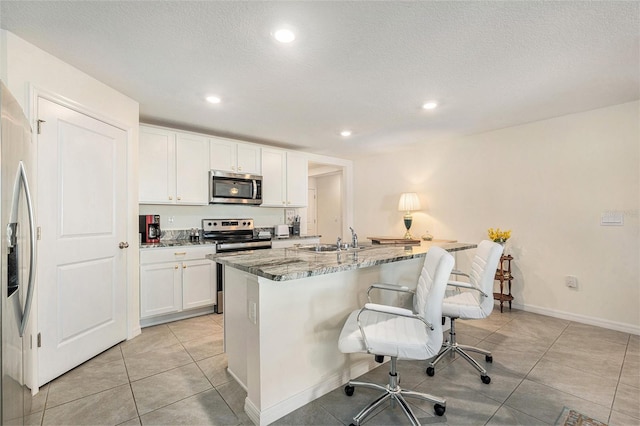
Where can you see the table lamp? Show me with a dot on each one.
(408, 202)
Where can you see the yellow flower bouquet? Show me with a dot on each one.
(498, 236)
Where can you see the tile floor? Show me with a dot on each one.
(174, 374)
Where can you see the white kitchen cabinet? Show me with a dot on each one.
(160, 289)
(175, 280)
(198, 283)
(284, 178)
(235, 157)
(192, 169)
(173, 167)
(156, 165)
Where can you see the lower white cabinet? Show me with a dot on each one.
(176, 279)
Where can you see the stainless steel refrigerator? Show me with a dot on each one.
(17, 161)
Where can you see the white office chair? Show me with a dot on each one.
(400, 333)
(475, 302)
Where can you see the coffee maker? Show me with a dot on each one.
(150, 228)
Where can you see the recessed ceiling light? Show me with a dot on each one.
(214, 99)
(284, 35)
(430, 105)
(345, 133)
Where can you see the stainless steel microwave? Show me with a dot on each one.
(234, 188)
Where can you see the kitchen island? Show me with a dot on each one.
(284, 310)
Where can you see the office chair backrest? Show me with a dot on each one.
(483, 271)
(430, 291)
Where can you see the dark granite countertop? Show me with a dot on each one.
(295, 263)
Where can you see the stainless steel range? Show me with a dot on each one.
(231, 235)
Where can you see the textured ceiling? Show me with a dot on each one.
(366, 66)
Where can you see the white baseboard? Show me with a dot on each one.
(598, 322)
(326, 385)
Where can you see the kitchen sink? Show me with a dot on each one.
(328, 248)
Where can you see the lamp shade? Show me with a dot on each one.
(409, 202)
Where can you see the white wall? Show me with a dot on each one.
(186, 217)
(549, 182)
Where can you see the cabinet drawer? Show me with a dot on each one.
(173, 254)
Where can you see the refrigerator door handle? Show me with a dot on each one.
(21, 180)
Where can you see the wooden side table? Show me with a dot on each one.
(503, 274)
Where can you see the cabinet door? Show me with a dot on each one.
(249, 159)
(222, 155)
(273, 178)
(156, 165)
(198, 283)
(160, 289)
(192, 169)
(297, 179)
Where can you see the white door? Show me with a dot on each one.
(82, 215)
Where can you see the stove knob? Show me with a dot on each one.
(248, 223)
(215, 223)
(209, 223)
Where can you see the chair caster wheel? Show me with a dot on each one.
(486, 379)
(379, 359)
(431, 371)
(349, 390)
(488, 358)
(439, 409)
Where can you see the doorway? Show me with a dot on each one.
(327, 183)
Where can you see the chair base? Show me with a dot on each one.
(394, 393)
(451, 347)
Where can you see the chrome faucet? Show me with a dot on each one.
(338, 243)
(354, 238)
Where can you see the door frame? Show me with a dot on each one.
(131, 222)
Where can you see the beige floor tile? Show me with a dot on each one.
(627, 401)
(206, 346)
(110, 407)
(630, 374)
(166, 388)
(144, 364)
(581, 384)
(206, 408)
(195, 328)
(546, 403)
(151, 339)
(605, 360)
(234, 395)
(92, 377)
(215, 368)
(507, 416)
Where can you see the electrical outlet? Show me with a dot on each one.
(252, 311)
(571, 281)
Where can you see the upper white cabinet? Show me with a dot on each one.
(173, 167)
(235, 157)
(284, 178)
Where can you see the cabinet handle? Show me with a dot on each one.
(239, 168)
(184, 266)
(233, 168)
(179, 198)
(180, 253)
(175, 267)
(170, 198)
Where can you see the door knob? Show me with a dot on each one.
(123, 245)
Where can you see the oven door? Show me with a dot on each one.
(234, 188)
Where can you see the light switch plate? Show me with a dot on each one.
(612, 218)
